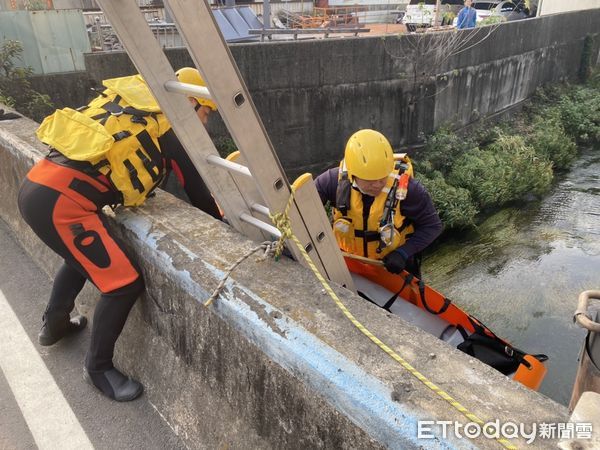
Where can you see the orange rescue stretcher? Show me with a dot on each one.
(410, 298)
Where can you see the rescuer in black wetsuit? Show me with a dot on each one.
(62, 199)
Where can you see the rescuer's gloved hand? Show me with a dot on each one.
(394, 262)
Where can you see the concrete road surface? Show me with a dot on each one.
(44, 401)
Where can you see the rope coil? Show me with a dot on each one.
(269, 250)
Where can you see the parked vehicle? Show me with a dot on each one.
(506, 9)
(421, 13)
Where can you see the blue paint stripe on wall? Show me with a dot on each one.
(364, 399)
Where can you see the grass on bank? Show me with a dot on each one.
(512, 161)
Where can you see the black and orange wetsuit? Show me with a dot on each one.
(61, 200)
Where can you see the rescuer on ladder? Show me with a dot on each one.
(380, 210)
(116, 150)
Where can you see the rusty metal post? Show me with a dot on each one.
(588, 372)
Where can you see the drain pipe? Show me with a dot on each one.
(266, 14)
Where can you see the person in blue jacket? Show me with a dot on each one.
(466, 16)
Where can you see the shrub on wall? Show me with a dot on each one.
(455, 206)
(443, 148)
(580, 114)
(494, 19)
(15, 89)
(496, 165)
(505, 171)
(548, 138)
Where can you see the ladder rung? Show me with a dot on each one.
(190, 90)
(261, 209)
(260, 224)
(229, 165)
(243, 190)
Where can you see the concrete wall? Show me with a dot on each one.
(72, 89)
(550, 51)
(313, 94)
(273, 363)
(559, 6)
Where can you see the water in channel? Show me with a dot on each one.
(522, 270)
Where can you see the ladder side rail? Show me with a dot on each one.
(152, 64)
(249, 189)
(308, 200)
(135, 34)
(213, 58)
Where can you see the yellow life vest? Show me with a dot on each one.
(117, 133)
(375, 239)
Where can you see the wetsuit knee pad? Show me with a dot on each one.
(133, 290)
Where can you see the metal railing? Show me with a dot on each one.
(103, 38)
(299, 15)
(94, 17)
(307, 31)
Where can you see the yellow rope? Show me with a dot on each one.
(282, 222)
(266, 246)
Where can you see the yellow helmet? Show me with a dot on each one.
(191, 75)
(368, 155)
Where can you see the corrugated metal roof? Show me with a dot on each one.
(235, 22)
(53, 41)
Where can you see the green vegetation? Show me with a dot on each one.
(456, 208)
(580, 115)
(35, 5)
(548, 136)
(15, 89)
(491, 20)
(224, 145)
(448, 17)
(502, 172)
(468, 176)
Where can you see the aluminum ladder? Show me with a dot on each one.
(254, 185)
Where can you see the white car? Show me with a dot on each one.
(506, 9)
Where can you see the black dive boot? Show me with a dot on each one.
(114, 384)
(56, 322)
(109, 319)
(54, 329)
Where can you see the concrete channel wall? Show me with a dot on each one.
(272, 363)
(313, 94)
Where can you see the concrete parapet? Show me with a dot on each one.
(272, 363)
